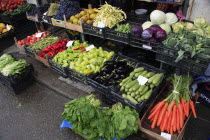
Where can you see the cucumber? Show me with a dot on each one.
(151, 78)
(132, 99)
(151, 86)
(145, 90)
(135, 87)
(124, 95)
(129, 85)
(157, 79)
(147, 94)
(122, 88)
(149, 74)
(139, 69)
(144, 73)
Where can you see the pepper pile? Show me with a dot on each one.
(52, 50)
(170, 113)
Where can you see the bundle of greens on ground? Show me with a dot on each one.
(136, 92)
(9, 66)
(93, 122)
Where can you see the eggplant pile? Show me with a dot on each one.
(113, 72)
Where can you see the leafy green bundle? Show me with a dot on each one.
(125, 28)
(5, 59)
(92, 122)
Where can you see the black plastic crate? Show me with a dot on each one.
(29, 51)
(12, 19)
(92, 30)
(77, 76)
(117, 36)
(144, 44)
(7, 34)
(20, 86)
(168, 56)
(139, 19)
(23, 75)
(63, 71)
(6, 42)
(117, 94)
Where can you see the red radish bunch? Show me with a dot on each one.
(52, 50)
(32, 39)
(10, 5)
(169, 114)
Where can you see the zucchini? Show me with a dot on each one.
(145, 90)
(129, 85)
(132, 94)
(157, 84)
(132, 74)
(126, 90)
(139, 69)
(132, 99)
(141, 88)
(151, 86)
(135, 87)
(139, 99)
(124, 95)
(147, 94)
(125, 80)
(144, 73)
(149, 74)
(157, 79)
(151, 78)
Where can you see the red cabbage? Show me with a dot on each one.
(136, 30)
(155, 28)
(160, 35)
(147, 34)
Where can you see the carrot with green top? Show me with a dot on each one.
(155, 120)
(162, 113)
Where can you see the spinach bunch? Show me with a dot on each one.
(93, 122)
(188, 45)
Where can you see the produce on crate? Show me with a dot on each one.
(5, 59)
(43, 43)
(21, 9)
(5, 28)
(93, 122)
(113, 72)
(68, 8)
(170, 113)
(125, 28)
(53, 9)
(10, 5)
(187, 42)
(66, 57)
(32, 39)
(109, 16)
(9, 66)
(87, 16)
(136, 30)
(38, 10)
(136, 92)
(91, 61)
(52, 50)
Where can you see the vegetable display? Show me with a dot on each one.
(92, 122)
(91, 61)
(21, 9)
(10, 5)
(53, 9)
(52, 50)
(134, 91)
(187, 42)
(67, 8)
(32, 39)
(169, 114)
(87, 16)
(43, 43)
(71, 54)
(113, 72)
(125, 28)
(109, 16)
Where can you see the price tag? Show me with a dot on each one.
(90, 47)
(38, 34)
(69, 44)
(8, 28)
(147, 47)
(101, 24)
(166, 135)
(142, 80)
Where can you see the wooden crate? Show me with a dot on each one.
(145, 124)
(58, 23)
(44, 61)
(20, 48)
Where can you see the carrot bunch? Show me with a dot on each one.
(169, 114)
